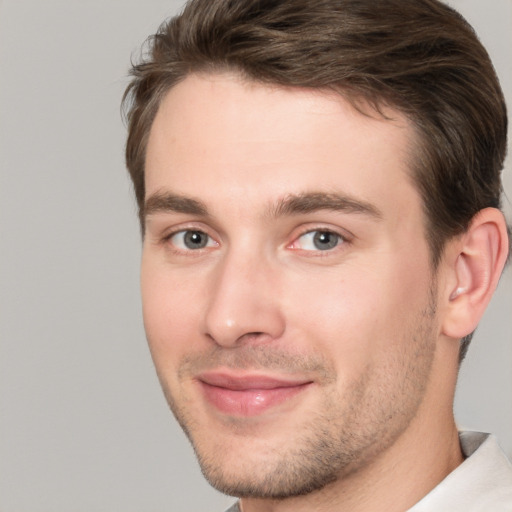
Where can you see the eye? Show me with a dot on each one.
(318, 240)
(188, 240)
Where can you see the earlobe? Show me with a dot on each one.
(481, 255)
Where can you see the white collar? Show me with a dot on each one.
(482, 483)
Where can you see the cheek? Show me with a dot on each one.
(170, 312)
(356, 315)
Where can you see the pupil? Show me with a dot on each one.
(195, 240)
(324, 240)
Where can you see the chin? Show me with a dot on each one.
(266, 480)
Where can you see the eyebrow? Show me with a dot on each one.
(314, 201)
(166, 202)
(292, 204)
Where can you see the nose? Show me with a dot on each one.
(244, 305)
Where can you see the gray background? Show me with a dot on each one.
(83, 425)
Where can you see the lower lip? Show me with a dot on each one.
(249, 402)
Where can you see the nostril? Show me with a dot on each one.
(251, 336)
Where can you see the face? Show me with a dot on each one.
(286, 282)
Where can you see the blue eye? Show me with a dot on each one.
(191, 240)
(318, 240)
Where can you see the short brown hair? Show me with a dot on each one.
(417, 56)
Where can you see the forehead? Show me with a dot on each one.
(220, 137)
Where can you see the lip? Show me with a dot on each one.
(248, 394)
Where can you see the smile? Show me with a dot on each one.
(248, 395)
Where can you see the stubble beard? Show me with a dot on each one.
(349, 431)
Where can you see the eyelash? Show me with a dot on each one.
(341, 240)
(167, 239)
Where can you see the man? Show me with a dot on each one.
(319, 193)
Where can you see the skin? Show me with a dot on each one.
(256, 172)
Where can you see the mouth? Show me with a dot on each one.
(248, 394)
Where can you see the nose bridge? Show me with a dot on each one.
(241, 301)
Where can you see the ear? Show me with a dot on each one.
(476, 262)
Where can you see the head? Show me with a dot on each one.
(434, 70)
(428, 98)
